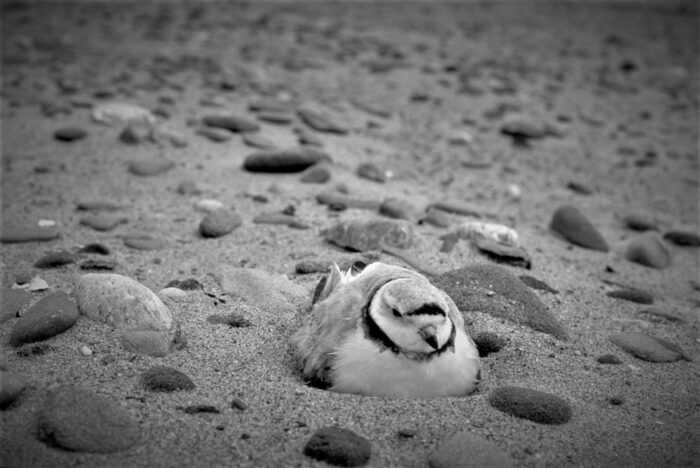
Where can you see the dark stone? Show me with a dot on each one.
(233, 319)
(609, 359)
(397, 208)
(165, 379)
(219, 223)
(284, 160)
(98, 205)
(633, 295)
(579, 187)
(233, 123)
(576, 228)
(534, 405)
(504, 253)
(195, 409)
(338, 446)
(488, 342)
(36, 350)
(189, 284)
(51, 315)
(69, 134)
(98, 264)
(683, 238)
(370, 171)
(55, 259)
(238, 404)
(639, 223)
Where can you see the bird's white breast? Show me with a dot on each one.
(363, 367)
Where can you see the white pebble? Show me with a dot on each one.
(497, 232)
(46, 222)
(208, 205)
(38, 284)
(514, 192)
(85, 349)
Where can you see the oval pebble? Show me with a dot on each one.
(649, 348)
(83, 421)
(256, 140)
(320, 122)
(102, 221)
(150, 166)
(55, 259)
(148, 342)
(208, 205)
(111, 113)
(11, 385)
(316, 174)
(218, 135)
(51, 315)
(165, 379)
(143, 242)
(370, 171)
(338, 446)
(649, 250)
(488, 342)
(634, 295)
(534, 405)
(464, 449)
(69, 134)
(231, 122)
(576, 228)
(284, 160)
(13, 233)
(397, 208)
(121, 302)
(609, 359)
(219, 223)
(683, 238)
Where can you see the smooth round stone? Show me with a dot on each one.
(208, 205)
(488, 342)
(112, 113)
(11, 233)
(83, 421)
(148, 342)
(102, 221)
(534, 405)
(370, 171)
(649, 250)
(121, 302)
(215, 134)
(150, 166)
(633, 295)
(231, 122)
(683, 238)
(640, 222)
(53, 314)
(316, 174)
(321, 122)
(55, 259)
(165, 379)
(284, 160)
(338, 446)
(576, 228)
(256, 140)
(219, 223)
(466, 450)
(649, 348)
(13, 301)
(11, 385)
(143, 242)
(69, 134)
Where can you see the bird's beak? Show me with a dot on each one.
(429, 335)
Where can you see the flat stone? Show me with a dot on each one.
(216, 134)
(633, 295)
(504, 253)
(113, 113)
(264, 290)
(466, 450)
(148, 342)
(284, 160)
(150, 166)
(397, 208)
(683, 238)
(494, 290)
(640, 222)
(121, 302)
(649, 250)
(98, 205)
(98, 264)
(219, 223)
(69, 134)
(83, 421)
(51, 315)
(458, 207)
(321, 122)
(659, 313)
(370, 171)
(13, 301)
(316, 174)
(256, 140)
(143, 242)
(276, 117)
(165, 379)
(11, 386)
(362, 236)
(12, 233)
(648, 347)
(534, 405)
(571, 224)
(102, 221)
(609, 359)
(338, 446)
(55, 259)
(307, 137)
(231, 122)
(537, 284)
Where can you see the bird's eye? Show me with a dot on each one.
(396, 312)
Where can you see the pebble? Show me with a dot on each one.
(219, 223)
(609, 359)
(464, 449)
(188, 187)
(264, 290)
(576, 228)
(372, 108)
(69, 134)
(215, 134)
(523, 128)
(370, 171)
(136, 133)
(534, 405)
(98, 205)
(338, 446)
(98, 264)
(494, 290)
(306, 137)
(276, 117)
(504, 253)
(11, 386)
(196, 409)
(38, 284)
(634, 295)
(640, 222)
(337, 199)
(150, 166)
(208, 205)
(102, 221)
(270, 105)
(535, 283)
(649, 250)
(14, 233)
(80, 420)
(51, 315)
(112, 113)
(165, 379)
(148, 342)
(437, 218)
(497, 232)
(579, 187)
(13, 301)
(121, 302)
(189, 284)
(284, 160)
(280, 218)
(143, 242)
(649, 348)
(55, 259)
(662, 313)
(370, 235)
(256, 140)
(231, 122)
(683, 238)
(457, 207)
(321, 122)
(488, 342)
(316, 174)
(397, 208)
(172, 294)
(238, 404)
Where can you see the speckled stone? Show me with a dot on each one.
(165, 379)
(51, 315)
(649, 348)
(83, 421)
(338, 446)
(219, 223)
(576, 228)
(466, 450)
(362, 236)
(534, 405)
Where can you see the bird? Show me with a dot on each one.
(385, 330)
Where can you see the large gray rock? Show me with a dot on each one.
(649, 348)
(121, 302)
